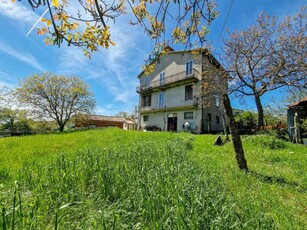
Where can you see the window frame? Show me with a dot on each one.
(161, 100)
(189, 68)
(217, 100)
(147, 102)
(187, 95)
(188, 117)
(145, 118)
(162, 78)
(217, 120)
(147, 81)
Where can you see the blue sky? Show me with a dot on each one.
(111, 73)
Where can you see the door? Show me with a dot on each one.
(172, 122)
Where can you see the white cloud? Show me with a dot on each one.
(6, 84)
(8, 78)
(114, 69)
(22, 56)
(18, 11)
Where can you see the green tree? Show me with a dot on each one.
(55, 96)
(14, 120)
(267, 56)
(247, 121)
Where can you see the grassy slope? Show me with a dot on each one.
(276, 188)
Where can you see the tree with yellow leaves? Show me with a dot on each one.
(89, 26)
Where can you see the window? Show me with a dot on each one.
(188, 92)
(147, 100)
(147, 81)
(161, 100)
(188, 68)
(217, 120)
(162, 78)
(217, 100)
(188, 115)
(145, 118)
(209, 118)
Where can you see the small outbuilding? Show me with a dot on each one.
(99, 121)
(295, 114)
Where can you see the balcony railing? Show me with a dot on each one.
(192, 103)
(168, 80)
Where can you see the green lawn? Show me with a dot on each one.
(104, 179)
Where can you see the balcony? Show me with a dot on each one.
(192, 104)
(169, 81)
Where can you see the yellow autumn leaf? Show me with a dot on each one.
(55, 3)
(47, 21)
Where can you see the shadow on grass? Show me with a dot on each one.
(277, 180)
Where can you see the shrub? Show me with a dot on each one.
(247, 122)
(266, 141)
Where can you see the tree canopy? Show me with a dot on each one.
(267, 56)
(56, 97)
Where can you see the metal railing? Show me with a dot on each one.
(192, 102)
(168, 80)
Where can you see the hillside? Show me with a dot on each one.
(102, 179)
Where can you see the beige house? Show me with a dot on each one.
(170, 97)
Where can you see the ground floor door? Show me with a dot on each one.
(172, 122)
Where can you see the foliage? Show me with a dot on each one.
(43, 126)
(266, 141)
(247, 122)
(303, 126)
(295, 95)
(14, 120)
(85, 180)
(88, 23)
(267, 56)
(55, 96)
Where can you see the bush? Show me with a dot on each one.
(266, 141)
(280, 133)
(247, 122)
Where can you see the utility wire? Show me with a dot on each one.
(38, 20)
(218, 41)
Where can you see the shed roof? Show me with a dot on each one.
(110, 118)
(299, 103)
(106, 118)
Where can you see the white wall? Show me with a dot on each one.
(160, 119)
(173, 63)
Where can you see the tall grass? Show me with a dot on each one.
(131, 180)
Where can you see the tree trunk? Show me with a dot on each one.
(62, 127)
(11, 125)
(236, 139)
(225, 128)
(260, 111)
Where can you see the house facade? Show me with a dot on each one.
(171, 99)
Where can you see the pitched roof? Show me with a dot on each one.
(106, 118)
(299, 103)
(110, 118)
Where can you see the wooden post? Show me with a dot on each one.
(236, 139)
(297, 129)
